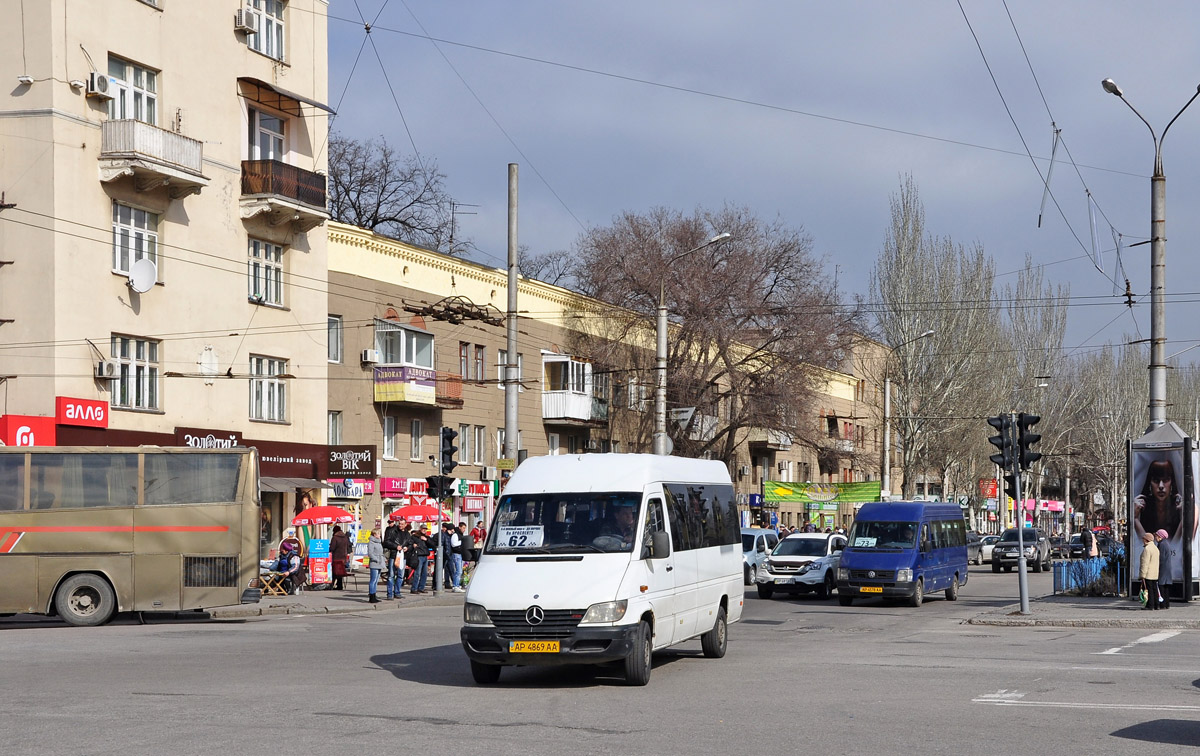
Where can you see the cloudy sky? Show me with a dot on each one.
(810, 111)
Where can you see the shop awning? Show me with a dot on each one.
(278, 98)
(284, 485)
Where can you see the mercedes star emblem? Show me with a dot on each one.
(534, 615)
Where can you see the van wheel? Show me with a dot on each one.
(485, 674)
(637, 664)
(826, 588)
(715, 641)
(845, 600)
(765, 591)
(952, 591)
(85, 600)
(918, 595)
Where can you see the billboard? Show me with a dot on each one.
(1163, 496)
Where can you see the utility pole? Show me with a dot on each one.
(511, 379)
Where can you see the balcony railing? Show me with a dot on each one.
(449, 389)
(271, 177)
(129, 138)
(572, 407)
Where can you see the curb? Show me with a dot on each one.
(247, 611)
(1147, 624)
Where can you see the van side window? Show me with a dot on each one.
(676, 517)
(702, 515)
(654, 522)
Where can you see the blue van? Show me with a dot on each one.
(904, 549)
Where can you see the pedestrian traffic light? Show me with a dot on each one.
(1010, 487)
(1003, 442)
(448, 450)
(1025, 439)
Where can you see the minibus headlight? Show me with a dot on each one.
(609, 611)
(475, 614)
(904, 576)
(843, 573)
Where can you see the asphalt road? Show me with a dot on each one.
(802, 676)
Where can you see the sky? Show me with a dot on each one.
(811, 112)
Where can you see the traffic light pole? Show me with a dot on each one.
(1013, 444)
(1022, 579)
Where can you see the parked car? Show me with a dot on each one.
(1037, 550)
(986, 544)
(1104, 545)
(1060, 548)
(757, 543)
(802, 563)
(974, 548)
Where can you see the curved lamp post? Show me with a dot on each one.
(1158, 263)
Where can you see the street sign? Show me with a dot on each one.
(506, 464)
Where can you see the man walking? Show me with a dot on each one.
(420, 552)
(391, 547)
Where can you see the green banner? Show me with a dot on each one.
(821, 493)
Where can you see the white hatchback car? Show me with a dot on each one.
(757, 543)
(803, 563)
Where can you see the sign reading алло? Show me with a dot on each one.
(350, 462)
(90, 413)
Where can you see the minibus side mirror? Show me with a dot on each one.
(660, 545)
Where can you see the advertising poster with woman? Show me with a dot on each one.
(1159, 503)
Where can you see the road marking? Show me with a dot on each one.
(1076, 705)
(1152, 638)
(1001, 696)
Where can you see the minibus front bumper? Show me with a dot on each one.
(583, 645)
(866, 589)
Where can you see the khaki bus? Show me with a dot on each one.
(89, 531)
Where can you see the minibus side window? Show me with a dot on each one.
(655, 522)
(925, 543)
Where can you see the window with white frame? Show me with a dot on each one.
(136, 386)
(264, 272)
(553, 442)
(566, 375)
(135, 236)
(403, 346)
(464, 444)
(480, 369)
(335, 427)
(389, 437)
(135, 94)
(269, 40)
(267, 136)
(335, 338)
(500, 443)
(268, 392)
(480, 443)
(414, 443)
(502, 362)
(464, 360)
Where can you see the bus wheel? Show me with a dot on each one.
(485, 674)
(715, 641)
(85, 600)
(637, 664)
(952, 591)
(918, 594)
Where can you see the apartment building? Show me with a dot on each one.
(162, 240)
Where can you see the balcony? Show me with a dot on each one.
(283, 193)
(573, 408)
(449, 390)
(766, 439)
(154, 157)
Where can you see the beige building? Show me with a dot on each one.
(162, 248)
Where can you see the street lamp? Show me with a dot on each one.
(660, 367)
(886, 487)
(1158, 263)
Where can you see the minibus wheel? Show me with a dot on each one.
(715, 641)
(485, 674)
(918, 594)
(637, 664)
(952, 591)
(85, 600)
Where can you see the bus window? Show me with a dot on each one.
(12, 482)
(75, 481)
(191, 478)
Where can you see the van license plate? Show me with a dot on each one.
(533, 647)
(871, 589)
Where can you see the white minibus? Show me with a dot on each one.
(598, 558)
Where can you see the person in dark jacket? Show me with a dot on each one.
(1166, 575)
(393, 547)
(339, 556)
(419, 549)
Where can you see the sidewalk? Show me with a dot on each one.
(333, 602)
(1079, 611)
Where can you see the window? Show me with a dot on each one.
(480, 443)
(135, 236)
(266, 136)
(136, 386)
(136, 92)
(555, 446)
(335, 338)
(502, 362)
(403, 346)
(464, 444)
(268, 392)
(414, 448)
(335, 427)
(269, 39)
(479, 371)
(389, 437)
(264, 273)
(464, 363)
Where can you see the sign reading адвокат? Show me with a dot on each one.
(350, 462)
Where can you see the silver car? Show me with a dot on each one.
(757, 543)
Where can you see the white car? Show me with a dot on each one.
(802, 563)
(989, 542)
(757, 543)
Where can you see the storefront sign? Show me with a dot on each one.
(506, 464)
(90, 413)
(318, 560)
(25, 430)
(349, 488)
(987, 488)
(405, 384)
(777, 491)
(474, 503)
(350, 462)
(200, 438)
(393, 487)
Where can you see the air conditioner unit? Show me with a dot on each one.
(99, 86)
(744, 470)
(591, 445)
(371, 356)
(246, 20)
(782, 466)
(491, 473)
(108, 369)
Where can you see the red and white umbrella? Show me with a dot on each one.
(418, 513)
(322, 516)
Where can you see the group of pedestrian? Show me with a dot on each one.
(1157, 570)
(402, 555)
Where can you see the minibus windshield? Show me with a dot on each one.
(883, 535)
(565, 523)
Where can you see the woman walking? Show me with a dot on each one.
(375, 555)
(339, 553)
(1166, 566)
(1149, 570)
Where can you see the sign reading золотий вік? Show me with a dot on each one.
(349, 462)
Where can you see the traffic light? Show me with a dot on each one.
(433, 487)
(1003, 442)
(448, 450)
(1010, 487)
(1025, 439)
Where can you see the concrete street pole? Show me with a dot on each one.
(887, 437)
(511, 379)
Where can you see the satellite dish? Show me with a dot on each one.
(143, 275)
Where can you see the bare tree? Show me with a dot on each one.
(754, 321)
(372, 187)
(553, 267)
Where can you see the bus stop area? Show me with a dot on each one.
(331, 602)
(1088, 611)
